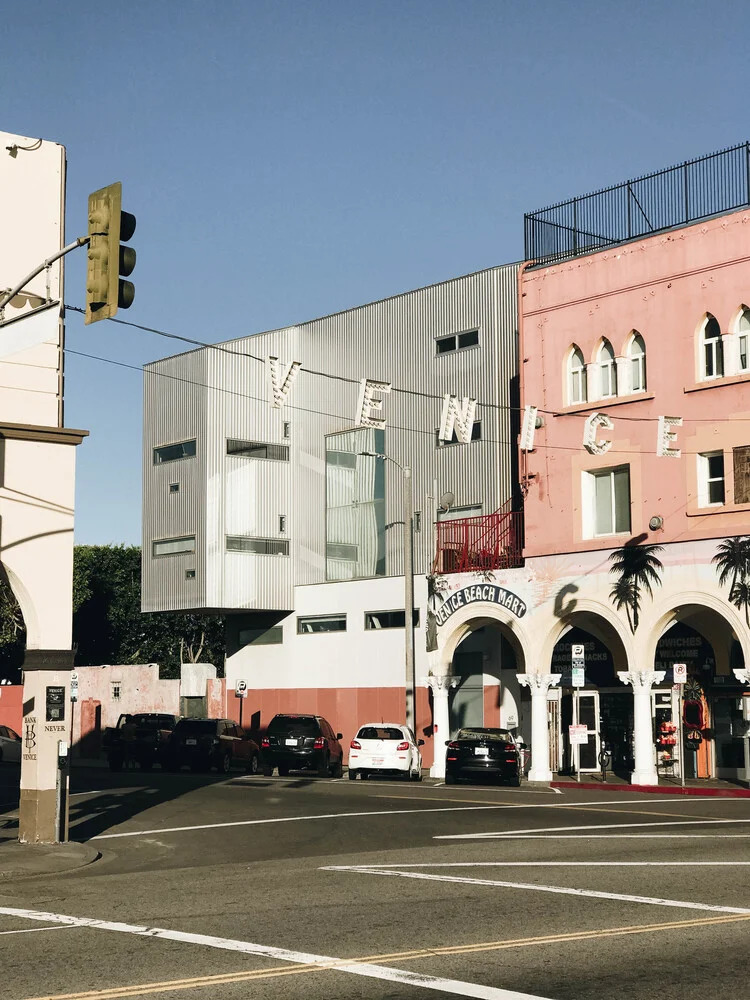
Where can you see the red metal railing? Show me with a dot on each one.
(494, 541)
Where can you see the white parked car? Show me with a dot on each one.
(10, 745)
(385, 748)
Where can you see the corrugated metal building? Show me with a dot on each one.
(274, 517)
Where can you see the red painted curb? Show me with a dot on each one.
(741, 793)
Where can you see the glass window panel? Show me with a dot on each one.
(716, 491)
(603, 504)
(470, 339)
(355, 504)
(174, 452)
(260, 546)
(258, 449)
(445, 344)
(321, 623)
(273, 636)
(621, 484)
(173, 546)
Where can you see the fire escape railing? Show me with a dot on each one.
(494, 541)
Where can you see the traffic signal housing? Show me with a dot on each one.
(109, 263)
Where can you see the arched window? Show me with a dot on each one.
(577, 389)
(637, 355)
(607, 369)
(713, 352)
(743, 337)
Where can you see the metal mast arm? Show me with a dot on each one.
(7, 296)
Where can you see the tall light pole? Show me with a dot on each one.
(409, 668)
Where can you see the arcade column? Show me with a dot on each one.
(643, 736)
(46, 725)
(539, 685)
(440, 685)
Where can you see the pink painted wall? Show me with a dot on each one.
(140, 691)
(662, 287)
(345, 708)
(11, 706)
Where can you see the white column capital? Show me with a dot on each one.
(439, 683)
(538, 683)
(742, 675)
(642, 680)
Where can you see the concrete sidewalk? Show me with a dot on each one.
(22, 860)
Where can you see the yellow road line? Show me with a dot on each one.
(228, 978)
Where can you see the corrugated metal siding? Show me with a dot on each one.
(392, 340)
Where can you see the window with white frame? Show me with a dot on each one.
(173, 546)
(577, 388)
(743, 339)
(711, 479)
(607, 370)
(116, 690)
(606, 501)
(713, 353)
(637, 355)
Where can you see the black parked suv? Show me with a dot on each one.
(301, 742)
(207, 743)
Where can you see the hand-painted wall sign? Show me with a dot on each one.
(486, 592)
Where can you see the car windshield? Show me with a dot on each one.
(196, 727)
(302, 725)
(380, 733)
(501, 735)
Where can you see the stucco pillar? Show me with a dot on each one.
(440, 685)
(624, 381)
(645, 764)
(539, 685)
(730, 345)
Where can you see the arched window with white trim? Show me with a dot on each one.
(713, 349)
(637, 356)
(607, 370)
(743, 340)
(577, 387)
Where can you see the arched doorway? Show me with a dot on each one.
(715, 732)
(602, 703)
(487, 693)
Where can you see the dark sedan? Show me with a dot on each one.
(491, 752)
(207, 743)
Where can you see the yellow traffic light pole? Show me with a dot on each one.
(7, 296)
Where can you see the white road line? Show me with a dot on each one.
(564, 890)
(624, 836)
(393, 812)
(557, 791)
(538, 864)
(500, 834)
(36, 930)
(437, 983)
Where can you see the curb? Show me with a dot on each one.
(23, 860)
(598, 786)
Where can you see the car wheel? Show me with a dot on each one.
(253, 764)
(450, 779)
(352, 774)
(416, 775)
(515, 781)
(338, 768)
(283, 770)
(324, 766)
(225, 764)
(364, 775)
(267, 770)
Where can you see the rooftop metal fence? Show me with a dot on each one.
(697, 189)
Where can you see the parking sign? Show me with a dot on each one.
(240, 689)
(679, 671)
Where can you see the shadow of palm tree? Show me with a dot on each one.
(638, 571)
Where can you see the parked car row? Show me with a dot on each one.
(481, 752)
(10, 745)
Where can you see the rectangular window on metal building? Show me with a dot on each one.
(273, 636)
(258, 449)
(173, 546)
(375, 620)
(259, 546)
(313, 624)
(174, 452)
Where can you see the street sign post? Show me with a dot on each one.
(240, 691)
(679, 677)
(578, 679)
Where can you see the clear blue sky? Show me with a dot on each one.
(290, 159)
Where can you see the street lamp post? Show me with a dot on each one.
(409, 668)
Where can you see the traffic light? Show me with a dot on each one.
(106, 291)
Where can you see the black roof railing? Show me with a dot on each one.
(697, 189)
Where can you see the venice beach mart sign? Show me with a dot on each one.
(486, 592)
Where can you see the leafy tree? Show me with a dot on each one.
(12, 632)
(732, 561)
(109, 627)
(638, 569)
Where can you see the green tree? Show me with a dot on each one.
(638, 569)
(109, 627)
(732, 562)
(12, 632)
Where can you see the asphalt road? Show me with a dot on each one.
(275, 888)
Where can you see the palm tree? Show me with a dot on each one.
(622, 595)
(638, 570)
(733, 562)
